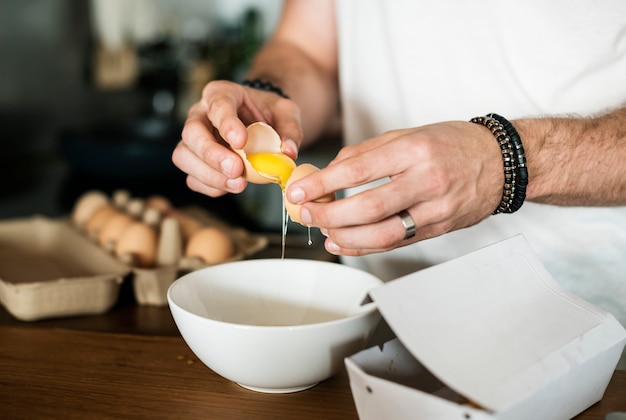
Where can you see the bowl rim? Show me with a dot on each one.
(366, 308)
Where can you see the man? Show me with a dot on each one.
(407, 76)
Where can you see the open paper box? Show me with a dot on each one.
(489, 335)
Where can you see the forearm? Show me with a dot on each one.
(301, 58)
(313, 88)
(576, 161)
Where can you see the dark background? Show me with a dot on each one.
(62, 132)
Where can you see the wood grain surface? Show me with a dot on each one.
(70, 374)
(53, 373)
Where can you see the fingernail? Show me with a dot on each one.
(227, 166)
(296, 195)
(233, 184)
(331, 247)
(231, 136)
(290, 146)
(324, 231)
(305, 216)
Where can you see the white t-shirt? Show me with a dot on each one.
(410, 63)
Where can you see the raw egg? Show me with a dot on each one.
(298, 173)
(211, 245)
(263, 159)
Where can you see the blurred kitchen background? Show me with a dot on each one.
(93, 95)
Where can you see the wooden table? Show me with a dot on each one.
(131, 363)
(50, 373)
(59, 373)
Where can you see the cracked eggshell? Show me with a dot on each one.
(300, 172)
(261, 138)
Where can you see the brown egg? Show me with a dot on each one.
(99, 218)
(140, 241)
(262, 156)
(86, 205)
(211, 245)
(300, 172)
(114, 227)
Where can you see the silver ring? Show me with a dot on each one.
(408, 223)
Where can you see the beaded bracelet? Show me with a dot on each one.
(514, 162)
(264, 85)
(521, 169)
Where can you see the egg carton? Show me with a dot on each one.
(159, 243)
(150, 284)
(48, 269)
(61, 267)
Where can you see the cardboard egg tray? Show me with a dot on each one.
(150, 284)
(51, 268)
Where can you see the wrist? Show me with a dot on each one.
(540, 160)
(513, 161)
(264, 85)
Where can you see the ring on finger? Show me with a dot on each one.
(408, 223)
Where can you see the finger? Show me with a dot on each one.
(197, 129)
(290, 148)
(288, 125)
(221, 103)
(206, 173)
(380, 235)
(362, 240)
(199, 137)
(372, 165)
(208, 153)
(198, 186)
(335, 249)
(368, 206)
(280, 113)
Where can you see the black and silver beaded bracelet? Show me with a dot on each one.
(264, 85)
(520, 155)
(514, 161)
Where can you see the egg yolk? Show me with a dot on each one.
(276, 166)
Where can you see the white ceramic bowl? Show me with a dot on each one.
(274, 325)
